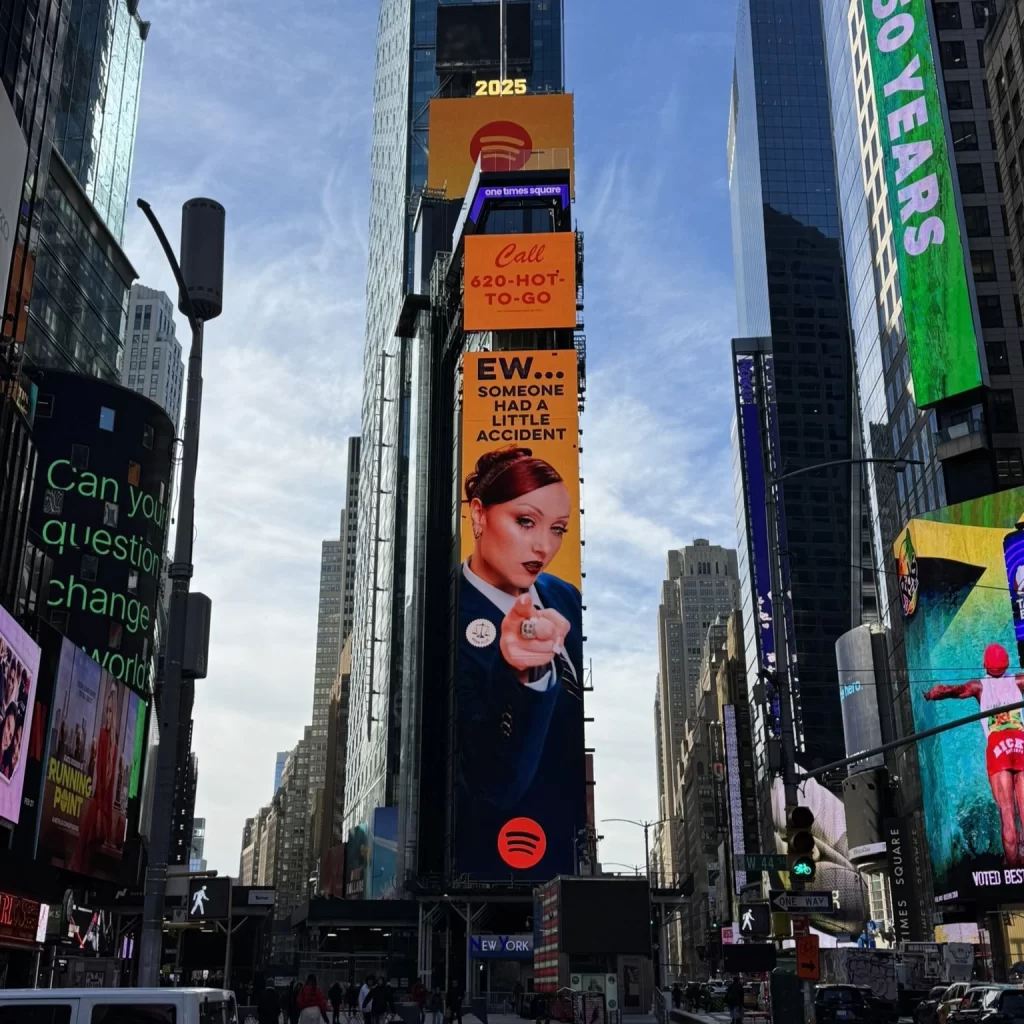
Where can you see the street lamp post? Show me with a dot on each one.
(647, 826)
(200, 280)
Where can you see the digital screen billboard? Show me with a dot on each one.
(959, 582)
(384, 854)
(937, 306)
(19, 674)
(520, 282)
(100, 505)
(519, 677)
(469, 36)
(93, 760)
(507, 133)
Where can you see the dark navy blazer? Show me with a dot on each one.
(521, 752)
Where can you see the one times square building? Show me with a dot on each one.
(407, 79)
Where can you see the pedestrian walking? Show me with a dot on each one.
(734, 999)
(312, 1003)
(677, 996)
(379, 998)
(454, 999)
(268, 1002)
(366, 999)
(436, 1006)
(419, 997)
(352, 998)
(334, 997)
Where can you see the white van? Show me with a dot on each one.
(117, 1006)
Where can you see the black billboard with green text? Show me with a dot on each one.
(100, 506)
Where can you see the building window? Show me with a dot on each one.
(983, 265)
(982, 10)
(947, 15)
(138, 319)
(147, 318)
(965, 136)
(990, 310)
(995, 356)
(106, 418)
(958, 95)
(953, 54)
(1003, 411)
(976, 220)
(1009, 466)
(972, 179)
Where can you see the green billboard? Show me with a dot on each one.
(937, 306)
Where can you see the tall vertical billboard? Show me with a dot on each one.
(521, 776)
(937, 306)
(960, 581)
(19, 674)
(92, 767)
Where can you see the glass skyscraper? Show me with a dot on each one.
(99, 102)
(405, 83)
(790, 288)
(79, 304)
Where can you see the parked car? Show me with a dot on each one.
(950, 999)
(976, 999)
(840, 1004)
(1006, 1008)
(924, 1012)
(84, 1005)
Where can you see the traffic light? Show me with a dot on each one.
(799, 822)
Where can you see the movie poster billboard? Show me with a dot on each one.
(519, 680)
(94, 749)
(19, 672)
(960, 579)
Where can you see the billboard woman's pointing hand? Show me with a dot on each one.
(532, 637)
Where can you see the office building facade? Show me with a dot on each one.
(702, 583)
(152, 363)
(795, 340)
(405, 82)
(196, 860)
(279, 763)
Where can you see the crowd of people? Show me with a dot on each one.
(372, 1003)
(700, 997)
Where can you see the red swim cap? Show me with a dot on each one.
(997, 661)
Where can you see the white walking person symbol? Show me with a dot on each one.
(199, 899)
(748, 920)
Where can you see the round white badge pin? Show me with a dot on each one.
(481, 632)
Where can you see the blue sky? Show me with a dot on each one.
(272, 115)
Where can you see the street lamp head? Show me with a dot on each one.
(202, 257)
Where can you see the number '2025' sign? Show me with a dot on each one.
(501, 87)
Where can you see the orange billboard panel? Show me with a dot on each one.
(507, 133)
(520, 282)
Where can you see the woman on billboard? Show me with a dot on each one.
(520, 672)
(97, 827)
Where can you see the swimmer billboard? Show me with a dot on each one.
(961, 577)
(521, 774)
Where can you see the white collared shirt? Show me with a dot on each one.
(504, 603)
